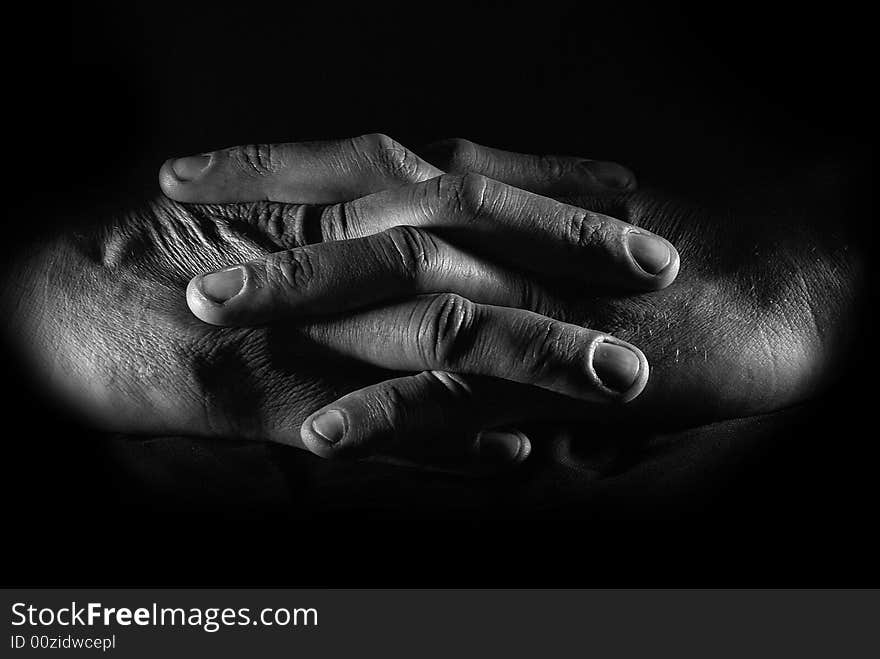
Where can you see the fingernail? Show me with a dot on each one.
(330, 425)
(610, 174)
(191, 167)
(223, 285)
(502, 447)
(651, 253)
(616, 366)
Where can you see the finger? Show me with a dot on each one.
(554, 176)
(450, 333)
(493, 452)
(517, 227)
(432, 416)
(345, 275)
(298, 172)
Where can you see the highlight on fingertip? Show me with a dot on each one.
(176, 173)
(654, 258)
(322, 432)
(620, 369)
(208, 294)
(502, 447)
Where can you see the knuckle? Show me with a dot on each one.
(389, 157)
(584, 229)
(388, 405)
(372, 142)
(445, 330)
(552, 343)
(257, 159)
(282, 225)
(335, 222)
(466, 195)
(293, 270)
(412, 251)
(462, 155)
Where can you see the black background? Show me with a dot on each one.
(691, 99)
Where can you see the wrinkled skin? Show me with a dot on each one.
(108, 321)
(754, 321)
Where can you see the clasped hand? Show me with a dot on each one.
(450, 275)
(354, 299)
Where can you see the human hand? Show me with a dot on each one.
(759, 317)
(754, 323)
(421, 239)
(104, 314)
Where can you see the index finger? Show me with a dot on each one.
(297, 172)
(517, 227)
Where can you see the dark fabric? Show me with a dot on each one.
(605, 473)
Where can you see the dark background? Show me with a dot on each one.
(695, 100)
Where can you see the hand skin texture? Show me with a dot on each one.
(422, 239)
(106, 315)
(754, 321)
